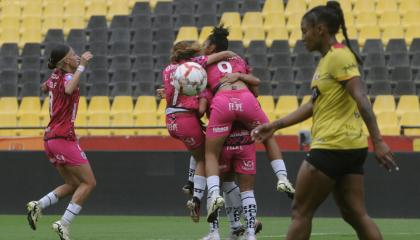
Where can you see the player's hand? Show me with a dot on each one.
(160, 92)
(85, 58)
(384, 156)
(231, 54)
(262, 132)
(231, 77)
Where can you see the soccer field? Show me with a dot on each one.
(14, 227)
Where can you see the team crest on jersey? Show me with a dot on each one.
(315, 93)
(68, 77)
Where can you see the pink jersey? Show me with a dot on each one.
(182, 101)
(217, 71)
(63, 107)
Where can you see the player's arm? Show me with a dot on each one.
(216, 57)
(74, 82)
(250, 80)
(202, 106)
(44, 87)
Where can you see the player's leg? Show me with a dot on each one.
(349, 196)
(249, 204)
(199, 184)
(188, 188)
(233, 205)
(312, 188)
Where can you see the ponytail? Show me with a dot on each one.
(184, 50)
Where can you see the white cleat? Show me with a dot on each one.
(216, 202)
(61, 230)
(250, 237)
(284, 185)
(34, 213)
(213, 235)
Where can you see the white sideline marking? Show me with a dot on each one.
(345, 234)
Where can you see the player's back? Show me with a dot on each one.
(217, 70)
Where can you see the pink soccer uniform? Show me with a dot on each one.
(60, 139)
(238, 153)
(231, 105)
(181, 119)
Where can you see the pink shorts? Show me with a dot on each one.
(241, 159)
(234, 105)
(187, 128)
(63, 152)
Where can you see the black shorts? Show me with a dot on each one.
(337, 163)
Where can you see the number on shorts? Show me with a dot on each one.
(224, 67)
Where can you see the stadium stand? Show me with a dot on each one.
(131, 41)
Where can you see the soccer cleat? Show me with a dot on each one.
(188, 188)
(284, 185)
(34, 213)
(216, 202)
(194, 206)
(61, 230)
(250, 237)
(213, 235)
(258, 226)
(237, 233)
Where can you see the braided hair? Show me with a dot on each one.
(332, 15)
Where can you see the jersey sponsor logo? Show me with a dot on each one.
(172, 127)
(220, 129)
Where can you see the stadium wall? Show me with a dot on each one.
(149, 183)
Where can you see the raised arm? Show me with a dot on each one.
(383, 153)
(74, 83)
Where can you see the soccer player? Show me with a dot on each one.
(338, 108)
(182, 116)
(61, 144)
(233, 101)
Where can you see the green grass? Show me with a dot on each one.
(14, 227)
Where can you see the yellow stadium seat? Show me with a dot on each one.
(231, 19)
(368, 32)
(122, 104)
(267, 104)
(54, 9)
(349, 19)
(364, 19)
(411, 119)
(296, 34)
(8, 105)
(295, 6)
(30, 22)
(82, 108)
(162, 107)
(81, 121)
(386, 6)
(31, 9)
(45, 112)
(306, 125)
(274, 20)
(117, 7)
(122, 120)
(408, 103)
(235, 34)
(314, 3)
(416, 145)
(52, 22)
(253, 34)
(29, 105)
(305, 99)
(410, 18)
(10, 35)
(292, 130)
(388, 19)
(285, 105)
(204, 34)
(384, 103)
(346, 6)
(73, 22)
(145, 104)
(147, 120)
(351, 33)
(10, 22)
(11, 10)
(276, 33)
(187, 34)
(99, 119)
(392, 32)
(33, 2)
(273, 6)
(388, 123)
(75, 8)
(364, 6)
(99, 104)
(8, 120)
(29, 120)
(252, 20)
(411, 33)
(409, 5)
(96, 7)
(294, 20)
(31, 36)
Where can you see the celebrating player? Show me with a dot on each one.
(339, 148)
(61, 144)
